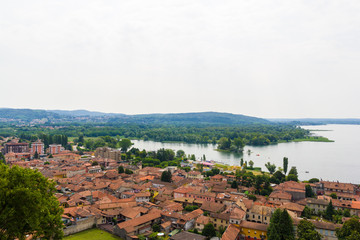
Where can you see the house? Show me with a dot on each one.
(252, 230)
(220, 220)
(136, 226)
(231, 233)
(334, 187)
(259, 214)
(187, 221)
(187, 236)
(202, 195)
(142, 197)
(201, 222)
(281, 196)
(194, 175)
(212, 207)
(293, 207)
(218, 178)
(326, 229)
(181, 192)
(237, 215)
(165, 227)
(297, 190)
(317, 204)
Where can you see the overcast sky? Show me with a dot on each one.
(259, 58)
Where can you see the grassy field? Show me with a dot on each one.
(92, 234)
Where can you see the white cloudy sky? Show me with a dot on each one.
(260, 58)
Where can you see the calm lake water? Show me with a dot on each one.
(339, 160)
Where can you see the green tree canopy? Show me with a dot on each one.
(166, 176)
(285, 164)
(125, 144)
(121, 169)
(251, 164)
(314, 180)
(333, 196)
(306, 231)
(306, 213)
(281, 227)
(209, 231)
(308, 191)
(224, 143)
(329, 212)
(270, 167)
(294, 171)
(28, 205)
(234, 184)
(350, 230)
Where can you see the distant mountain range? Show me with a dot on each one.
(316, 121)
(210, 118)
(56, 116)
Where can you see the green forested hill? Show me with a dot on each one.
(207, 118)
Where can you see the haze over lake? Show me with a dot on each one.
(339, 160)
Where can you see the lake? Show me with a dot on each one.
(339, 160)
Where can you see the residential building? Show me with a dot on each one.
(55, 148)
(38, 147)
(14, 147)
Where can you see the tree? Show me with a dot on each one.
(224, 143)
(329, 212)
(350, 230)
(308, 191)
(280, 227)
(128, 171)
(121, 169)
(278, 177)
(333, 196)
(125, 144)
(306, 213)
(293, 170)
(251, 164)
(270, 167)
(94, 163)
(292, 177)
(234, 184)
(36, 155)
(2, 158)
(180, 153)
(81, 139)
(166, 176)
(209, 231)
(239, 144)
(285, 164)
(346, 212)
(28, 205)
(306, 230)
(156, 227)
(314, 180)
